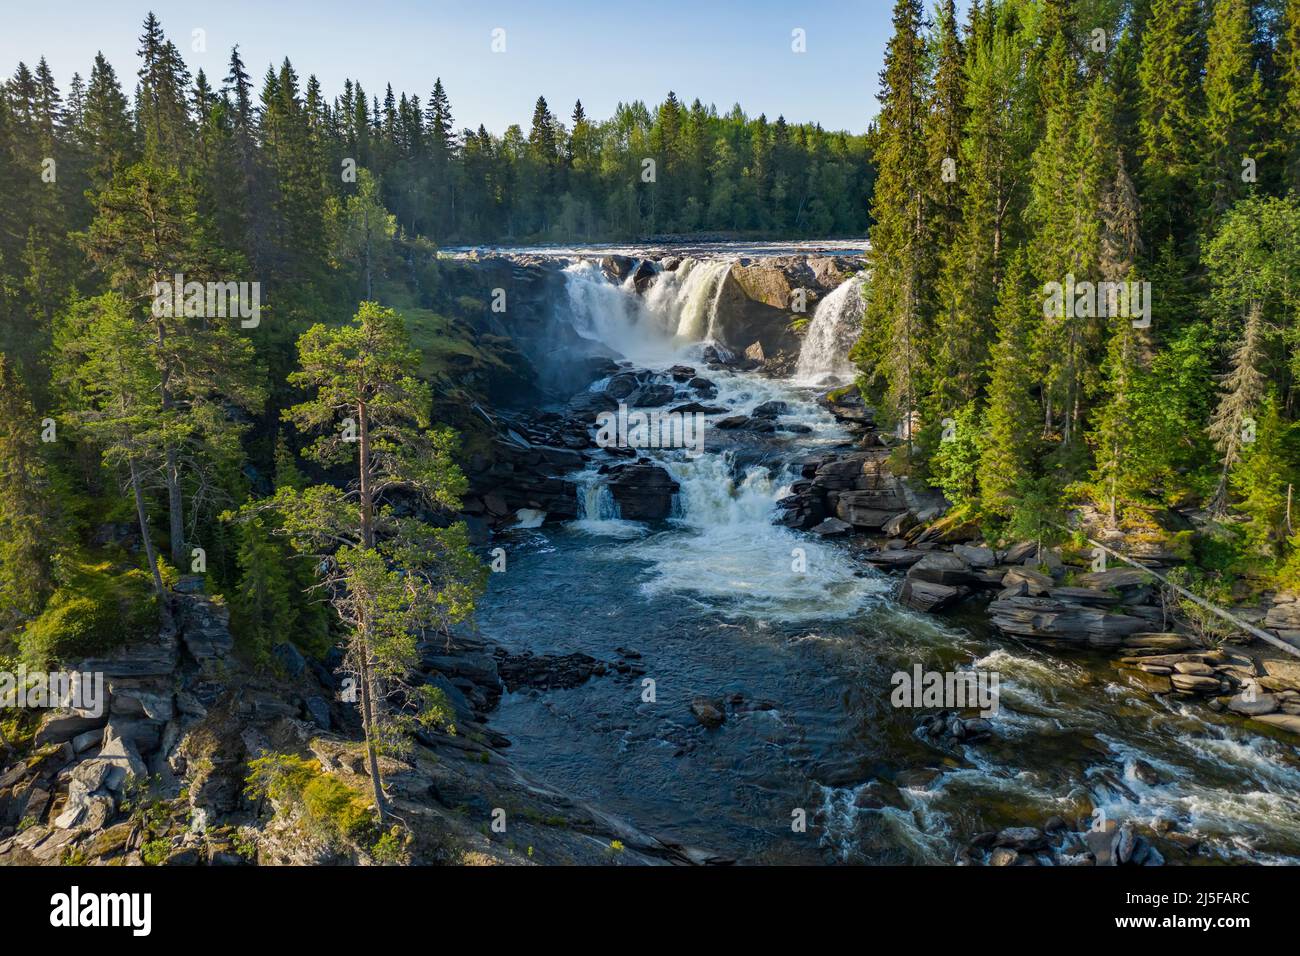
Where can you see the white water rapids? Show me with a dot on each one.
(1070, 737)
(721, 545)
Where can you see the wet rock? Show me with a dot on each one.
(1287, 722)
(1021, 839)
(773, 409)
(699, 408)
(643, 492)
(703, 387)
(745, 423)
(546, 671)
(708, 712)
(652, 396)
(928, 596)
(832, 527)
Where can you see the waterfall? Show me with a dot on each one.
(689, 305)
(732, 556)
(598, 511)
(679, 307)
(834, 328)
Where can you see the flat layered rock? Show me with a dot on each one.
(929, 596)
(1287, 722)
(940, 567)
(1038, 617)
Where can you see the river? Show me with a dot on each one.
(800, 640)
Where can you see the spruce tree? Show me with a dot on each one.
(1234, 98)
(892, 351)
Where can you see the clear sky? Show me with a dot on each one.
(722, 51)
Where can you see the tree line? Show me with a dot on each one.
(1039, 162)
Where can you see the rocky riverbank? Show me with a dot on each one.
(159, 777)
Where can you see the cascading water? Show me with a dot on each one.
(610, 314)
(717, 601)
(725, 549)
(834, 328)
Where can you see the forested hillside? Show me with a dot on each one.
(1151, 144)
(117, 180)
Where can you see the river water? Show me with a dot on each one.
(802, 641)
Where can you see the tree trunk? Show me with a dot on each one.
(144, 531)
(369, 703)
(371, 727)
(175, 507)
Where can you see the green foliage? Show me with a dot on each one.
(29, 532)
(262, 612)
(955, 464)
(95, 609)
(327, 808)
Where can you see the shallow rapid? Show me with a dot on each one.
(799, 641)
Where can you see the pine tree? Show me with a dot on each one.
(1234, 96)
(892, 353)
(28, 530)
(1170, 107)
(106, 363)
(390, 576)
(263, 613)
(1288, 109)
(105, 127)
(1242, 389)
(994, 156)
(1012, 429)
(146, 231)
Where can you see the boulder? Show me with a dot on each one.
(929, 596)
(1260, 705)
(1035, 582)
(976, 557)
(899, 524)
(643, 492)
(895, 557)
(1287, 722)
(1046, 618)
(60, 726)
(941, 567)
(773, 409)
(708, 712)
(1119, 578)
(832, 527)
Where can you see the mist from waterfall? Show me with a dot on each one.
(834, 328)
(679, 308)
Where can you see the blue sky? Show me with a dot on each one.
(723, 51)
